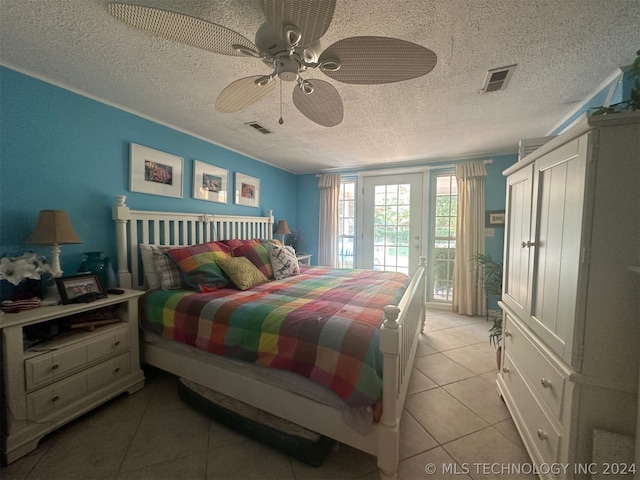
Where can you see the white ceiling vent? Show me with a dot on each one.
(259, 127)
(497, 79)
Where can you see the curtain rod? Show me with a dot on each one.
(434, 166)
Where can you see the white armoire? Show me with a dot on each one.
(571, 343)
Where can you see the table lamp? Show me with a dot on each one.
(54, 228)
(282, 229)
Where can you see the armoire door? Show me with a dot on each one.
(557, 212)
(515, 282)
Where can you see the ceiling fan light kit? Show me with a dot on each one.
(287, 42)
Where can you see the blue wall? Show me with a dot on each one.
(61, 150)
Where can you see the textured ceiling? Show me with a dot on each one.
(564, 50)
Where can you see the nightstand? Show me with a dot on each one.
(69, 371)
(304, 259)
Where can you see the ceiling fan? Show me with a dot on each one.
(288, 42)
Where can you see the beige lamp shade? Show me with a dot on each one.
(53, 228)
(282, 228)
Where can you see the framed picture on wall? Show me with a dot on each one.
(247, 190)
(210, 182)
(494, 218)
(155, 172)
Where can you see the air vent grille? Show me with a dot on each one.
(497, 79)
(259, 127)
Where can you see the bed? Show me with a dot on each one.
(348, 414)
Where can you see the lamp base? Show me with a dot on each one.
(52, 297)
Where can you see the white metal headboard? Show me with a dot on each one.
(134, 227)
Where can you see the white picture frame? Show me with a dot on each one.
(247, 190)
(210, 183)
(155, 172)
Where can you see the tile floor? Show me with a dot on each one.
(454, 419)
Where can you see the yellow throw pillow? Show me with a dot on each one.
(241, 271)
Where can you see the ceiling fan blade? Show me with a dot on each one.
(323, 106)
(242, 93)
(182, 28)
(312, 17)
(375, 60)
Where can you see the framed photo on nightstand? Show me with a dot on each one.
(80, 289)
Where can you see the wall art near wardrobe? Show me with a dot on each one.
(155, 172)
(210, 182)
(494, 218)
(247, 190)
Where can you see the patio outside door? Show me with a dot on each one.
(392, 222)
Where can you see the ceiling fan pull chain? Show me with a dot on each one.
(281, 121)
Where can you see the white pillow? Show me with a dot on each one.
(283, 261)
(151, 276)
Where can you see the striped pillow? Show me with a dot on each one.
(198, 265)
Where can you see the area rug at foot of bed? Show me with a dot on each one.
(293, 440)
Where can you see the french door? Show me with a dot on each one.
(392, 222)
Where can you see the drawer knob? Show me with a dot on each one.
(542, 435)
(507, 333)
(505, 370)
(545, 383)
(116, 370)
(55, 398)
(55, 366)
(116, 343)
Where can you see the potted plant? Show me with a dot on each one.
(490, 271)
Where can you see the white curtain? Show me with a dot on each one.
(468, 292)
(329, 186)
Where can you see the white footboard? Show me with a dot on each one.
(398, 342)
(398, 334)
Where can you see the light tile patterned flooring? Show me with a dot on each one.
(454, 419)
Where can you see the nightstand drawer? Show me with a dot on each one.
(539, 427)
(545, 378)
(60, 394)
(59, 363)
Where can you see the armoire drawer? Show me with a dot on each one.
(547, 380)
(59, 363)
(60, 394)
(540, 428)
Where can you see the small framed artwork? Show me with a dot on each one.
(247, 190)
(80, 288)
(210, 182)
(155, 172)
(494, 218)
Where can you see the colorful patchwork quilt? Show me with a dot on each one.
(322, 324)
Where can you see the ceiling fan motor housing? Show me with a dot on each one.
(287, 69)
